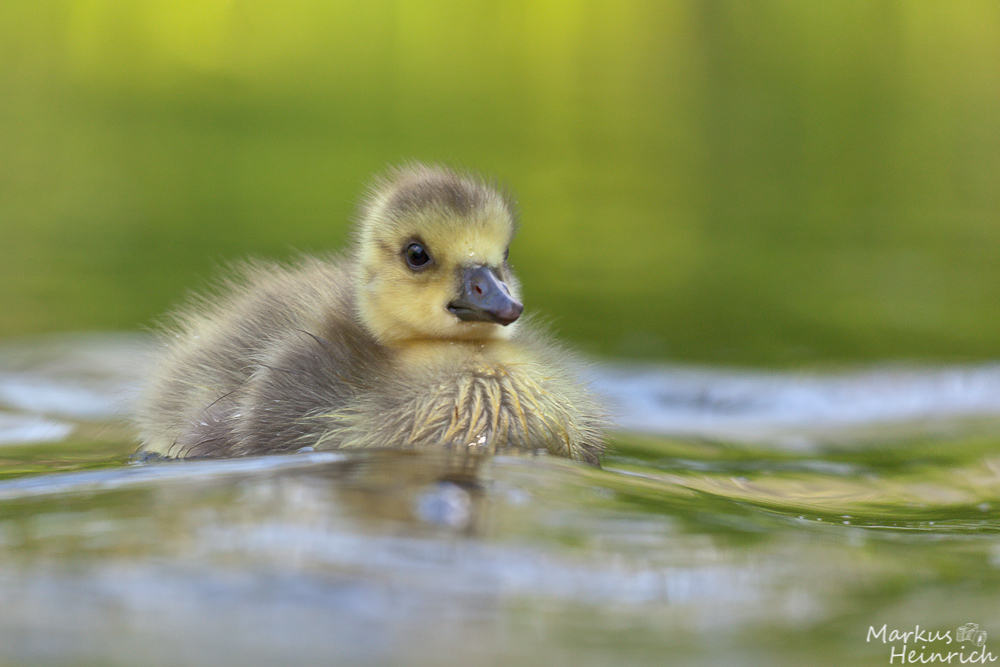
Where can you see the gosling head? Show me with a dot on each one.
(432, 258)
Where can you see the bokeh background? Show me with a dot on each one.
(768, 183)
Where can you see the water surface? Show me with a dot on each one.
(739, 518)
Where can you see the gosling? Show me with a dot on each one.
(412, 341)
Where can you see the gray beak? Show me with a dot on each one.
(485, 298)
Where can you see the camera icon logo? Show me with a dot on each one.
(970, 632)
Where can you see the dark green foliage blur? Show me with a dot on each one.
(779, 182)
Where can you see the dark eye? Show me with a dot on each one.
(506, 253)
(416, 256)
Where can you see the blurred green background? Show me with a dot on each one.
(777, 182)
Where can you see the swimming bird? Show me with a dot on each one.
(411, 340)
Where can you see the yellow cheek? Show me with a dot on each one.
(402, 307)
(423, 303)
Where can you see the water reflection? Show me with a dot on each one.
(302, 558)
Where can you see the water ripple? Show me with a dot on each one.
(95, 377)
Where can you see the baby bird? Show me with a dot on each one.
(412, 341)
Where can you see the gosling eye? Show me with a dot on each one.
(416, 256)
(506, 253)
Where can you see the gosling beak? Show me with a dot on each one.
(485, 298)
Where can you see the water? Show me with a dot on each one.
(740, 518)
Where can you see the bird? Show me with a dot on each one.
(412, 339)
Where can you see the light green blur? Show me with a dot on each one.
(778, 182)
